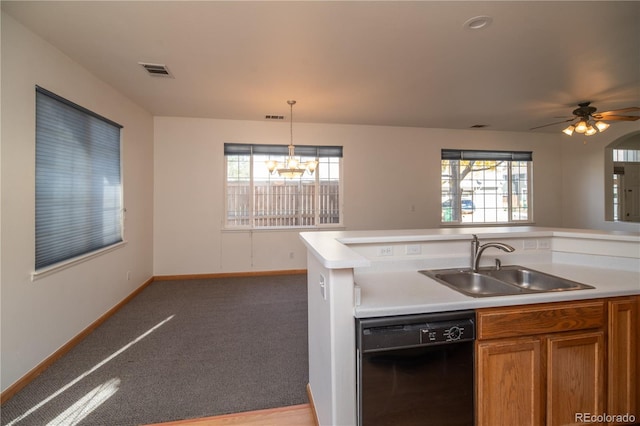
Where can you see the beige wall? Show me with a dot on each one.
(39, 317)
(391, 181)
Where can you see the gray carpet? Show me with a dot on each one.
(219, 346)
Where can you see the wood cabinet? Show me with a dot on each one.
(541, 364)
(575, 376)
(509, 384)
(624, 359)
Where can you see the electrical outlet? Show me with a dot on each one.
(529, 244)
(414, 249)
(385, 251)
(544, 244)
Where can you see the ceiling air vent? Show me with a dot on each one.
(156, 70)
(479, 126)
(274, 117)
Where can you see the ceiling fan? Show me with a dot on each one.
(591, 122)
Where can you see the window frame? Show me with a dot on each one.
(497, 156)
(101, 160)
(305, 152)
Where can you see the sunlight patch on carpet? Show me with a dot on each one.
(85, 405)
(88, 372)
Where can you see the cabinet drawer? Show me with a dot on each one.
(528, 320)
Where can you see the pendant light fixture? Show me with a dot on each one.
(292, 167)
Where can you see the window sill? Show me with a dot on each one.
(481, 225)
(276, 229)
(49, 270)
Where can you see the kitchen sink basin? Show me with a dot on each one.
(474, 284)
(508, 280)
(533, 280)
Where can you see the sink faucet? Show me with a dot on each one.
(477, 249)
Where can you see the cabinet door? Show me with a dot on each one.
(508, 376)
(622, 351)
(575, 376)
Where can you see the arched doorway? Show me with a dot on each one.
(622, 179)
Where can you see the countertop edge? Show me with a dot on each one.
(487, 302)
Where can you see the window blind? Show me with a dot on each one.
(78, 180)
(458, 154)
(301, 150)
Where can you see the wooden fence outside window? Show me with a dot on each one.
(285, 204)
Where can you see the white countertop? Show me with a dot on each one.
(609, 261)
(410, 292)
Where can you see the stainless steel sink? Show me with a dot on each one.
(508, 280)
(534, 280)
(474, 284)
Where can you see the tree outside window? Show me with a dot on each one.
(485, 187)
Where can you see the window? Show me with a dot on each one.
(485, 186)
(257, 199)
(78, 185)
(626, 155)
(626, 182)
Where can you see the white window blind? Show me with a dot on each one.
(78, 181)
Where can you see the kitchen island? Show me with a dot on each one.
(363, 274)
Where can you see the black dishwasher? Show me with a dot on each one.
(416, 369)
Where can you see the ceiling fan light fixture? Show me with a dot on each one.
(587, 122)
(581, 127)
(569, 130)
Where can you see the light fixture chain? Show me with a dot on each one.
(291, 104)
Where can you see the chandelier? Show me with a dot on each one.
(292, 167)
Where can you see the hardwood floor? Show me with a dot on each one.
(295, 415)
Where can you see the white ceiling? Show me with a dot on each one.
(381, 63)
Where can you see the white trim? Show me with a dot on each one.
(43, 272)
(226, 227)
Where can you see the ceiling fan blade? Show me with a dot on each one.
(617, 117)
(553, 124)
(618, 111)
